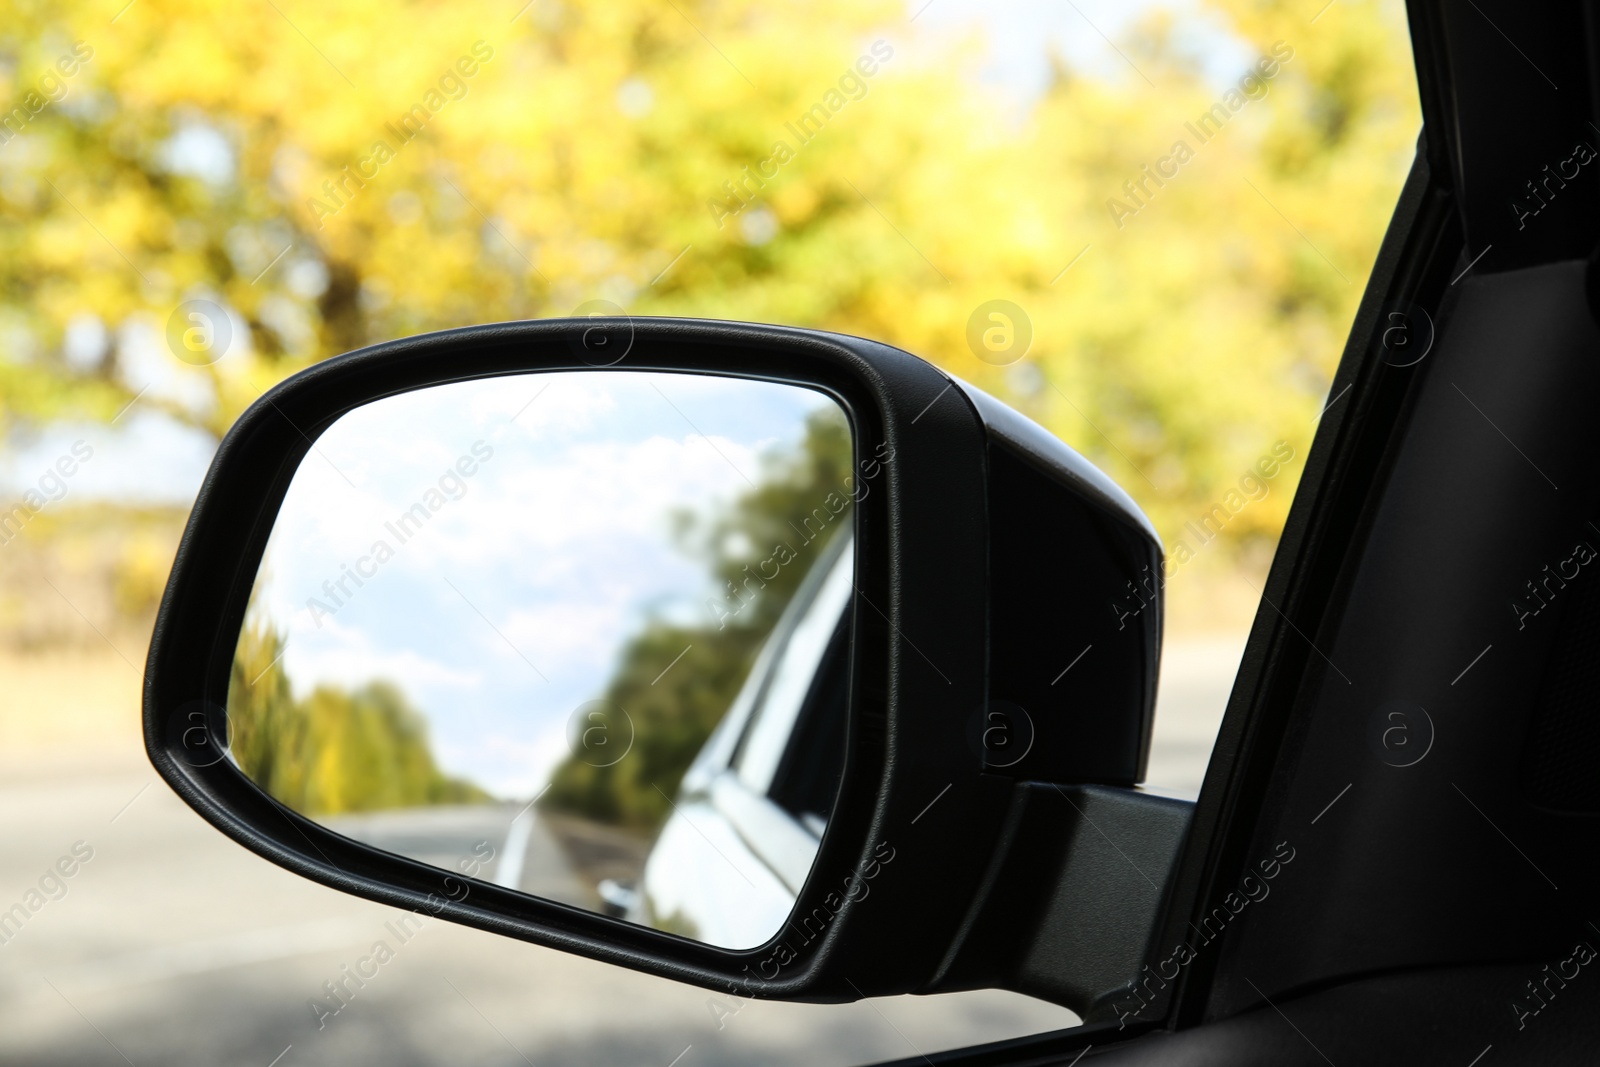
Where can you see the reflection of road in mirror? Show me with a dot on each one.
(489, 841)
(517, 657)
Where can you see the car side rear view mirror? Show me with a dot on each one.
(766, 659)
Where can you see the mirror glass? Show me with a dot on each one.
(583, 634)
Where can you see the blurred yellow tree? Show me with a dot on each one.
(534, 159)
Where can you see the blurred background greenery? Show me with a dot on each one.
(154, 152)
(168, 150)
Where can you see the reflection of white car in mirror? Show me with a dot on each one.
(751, 809)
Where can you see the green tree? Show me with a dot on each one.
(335, 751)
(674, 714)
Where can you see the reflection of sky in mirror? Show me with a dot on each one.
(507, 607)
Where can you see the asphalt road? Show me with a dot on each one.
(168, 944)
(504, 844)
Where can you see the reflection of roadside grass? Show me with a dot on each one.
(597, 851)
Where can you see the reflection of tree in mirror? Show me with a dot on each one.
(335, 751)
(757, 552)
(803, 499)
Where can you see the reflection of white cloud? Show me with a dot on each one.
(569, 633)
(518, 767)
(546, 405)
(603, 490)
(549, 543)
(347, 657)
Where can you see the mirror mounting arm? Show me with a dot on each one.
(1069, 904)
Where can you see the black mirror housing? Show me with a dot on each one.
(1003, 658)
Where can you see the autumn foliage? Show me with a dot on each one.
(336, 175)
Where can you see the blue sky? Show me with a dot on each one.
(560, 540)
